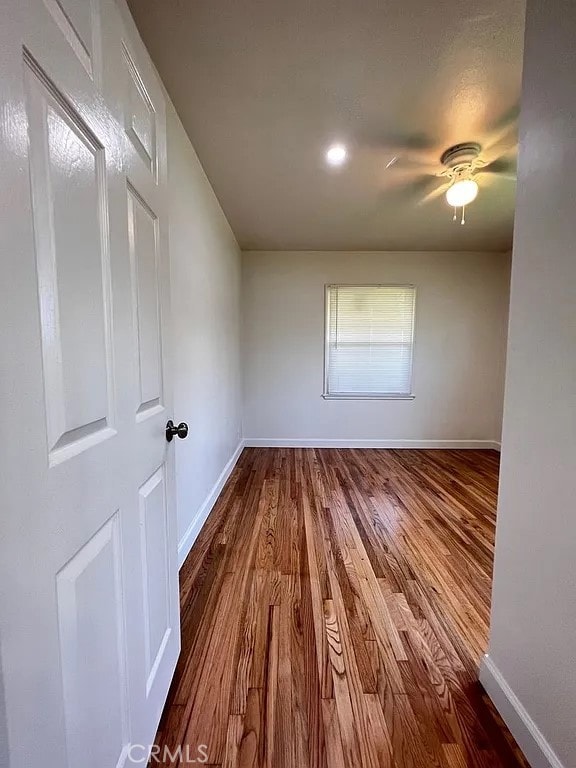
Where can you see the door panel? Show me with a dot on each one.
(143, 237)
(155, 571)
(77, 20)
(92, 645)
(139, 114)
(68, 179)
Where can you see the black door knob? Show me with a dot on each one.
(171, 430)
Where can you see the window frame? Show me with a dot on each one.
(326, 394)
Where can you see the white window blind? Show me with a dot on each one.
(369, 339)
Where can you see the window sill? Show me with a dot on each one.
(367, 397)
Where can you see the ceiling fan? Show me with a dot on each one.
(464, 167)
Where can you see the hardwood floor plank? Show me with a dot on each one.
(251, 751)
(350, 746)
(285, 737)
(272, 679)
(378, 730)
(307, 694)
(253, 637)
(233, 741)
(318, 593)
(210, 723)
(454, 756)
(333, 740)
(334, 610)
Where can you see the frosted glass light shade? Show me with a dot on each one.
(462, 193)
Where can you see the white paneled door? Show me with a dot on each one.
(89, 613)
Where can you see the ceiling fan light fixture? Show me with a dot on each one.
(462, 193)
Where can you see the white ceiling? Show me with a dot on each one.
(264, 86)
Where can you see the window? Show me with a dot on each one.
(369, 340)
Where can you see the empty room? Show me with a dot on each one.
(288, 401)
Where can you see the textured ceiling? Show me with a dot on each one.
(264, 86)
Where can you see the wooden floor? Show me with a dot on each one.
(334, 610)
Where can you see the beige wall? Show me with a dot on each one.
(460, 338)
(205, 279)
(531, 670)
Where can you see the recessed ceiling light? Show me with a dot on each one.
(336, 154)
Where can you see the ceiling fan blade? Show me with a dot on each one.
(504, 165)
(498, 175)
(502, 168)
(507, 119)
(435, 193)
(417, 151)
(407, 184)
(422, 164)
(401, 178)
(397, 142)
(501, 143)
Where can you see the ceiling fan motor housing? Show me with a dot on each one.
(461, 155)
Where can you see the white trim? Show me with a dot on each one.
(497, 446)
(185, 544)
(369, 396)
(311, 442)
(537, 750)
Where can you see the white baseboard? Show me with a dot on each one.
(530, 740)
(185, 544)
(273, 442)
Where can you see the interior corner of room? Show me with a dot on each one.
(362, 550)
